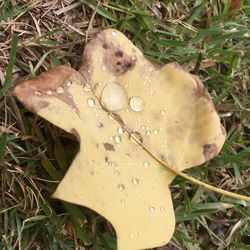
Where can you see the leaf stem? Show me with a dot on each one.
(170, 168)
(190, 178)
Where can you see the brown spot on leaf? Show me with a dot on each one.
(210, 151)
(48, 82)
(117, 62)
(109, 146)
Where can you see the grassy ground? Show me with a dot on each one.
(209, 37)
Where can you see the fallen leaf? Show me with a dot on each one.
(129, 116)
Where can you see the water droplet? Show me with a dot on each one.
(135, 181)
(147, 128)
(90, 71)
(163, 209)
(136, 136)
(148, 132)
(113, 164)
(127, 110)
(136, 103)
(163, 112)
(113, 97)
(68, 83)
(121, 187)
(156, 131)
(91, 102)
(111, 138)
(121, 130)
(151, 69)
(38, 92)
(139, 233)
(117, 172)
(123, 202)
(113, 33)
(49, 92)
(60, 90)
(152, 92)
(117, 138)
(131, 235)
(146, 164)
(133, 58)
(143, 127)
(87, 88)
(103, 67)
(99, 59)
(151, 209)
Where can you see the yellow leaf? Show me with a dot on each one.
(118, 105)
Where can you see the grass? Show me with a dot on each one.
(207, 37)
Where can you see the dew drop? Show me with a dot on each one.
(163, 209)
(148, 132)
(152, 92)
(127, 110)
(121, 130)
(113, 97)
(87, 88)
(146, 164)
(113, 164)
(91, 102)
(111, 138)
(123, 202)
(156, 131)
(90, 71)
(49, 92)
(121, 187)
(135, 181)
(116, 172)
(143, 127)
(60, 90)
(147, 128)
(103, 67)
(68, 83)
(151, 209)
(113, 33)
(139, 233)
(133, 58)
(38, 92)
(136, 103)
(117, 139)
(163, 112)
(131, 235)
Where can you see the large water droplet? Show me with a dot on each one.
(113, 97)
(146, 164)
(135, 181)
(121, 187)
(91, 102)
(60, 90)
(136, 103)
